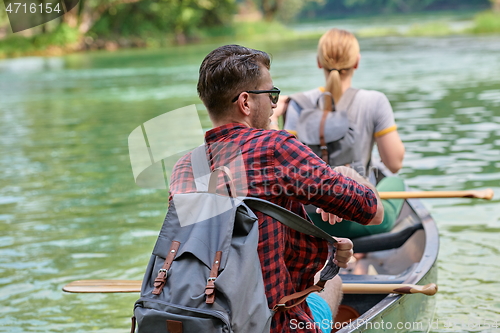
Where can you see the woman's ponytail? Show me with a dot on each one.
(338, 52)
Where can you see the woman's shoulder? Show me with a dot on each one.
(312, 94)
(372, 94)
(304, 98)
(372, 100)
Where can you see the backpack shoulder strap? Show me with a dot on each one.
(201, 169)
(347, 99)
(299, 224)
(302, 100)
(202, 172)
(288, 218)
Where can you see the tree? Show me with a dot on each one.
(87, 12)
(495, 4)
(181, 18)
(288, 8)
(4, 21)
(291, 8)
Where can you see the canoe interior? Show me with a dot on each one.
(392, 264)
(413, 262)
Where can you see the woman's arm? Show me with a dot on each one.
(391, 150)
(278, 112)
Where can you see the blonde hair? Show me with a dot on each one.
(338, 52)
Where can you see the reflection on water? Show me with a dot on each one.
(69, 207)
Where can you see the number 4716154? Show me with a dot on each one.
(32, 8)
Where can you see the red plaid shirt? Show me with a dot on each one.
(280, 169)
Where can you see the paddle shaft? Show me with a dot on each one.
(128, 286)
(366, 288)
(486, 194)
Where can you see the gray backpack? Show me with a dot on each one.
(204, 274)
(329, 134)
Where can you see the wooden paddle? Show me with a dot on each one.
(486, 194)
(129, 286)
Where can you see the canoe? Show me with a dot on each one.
(407, 255)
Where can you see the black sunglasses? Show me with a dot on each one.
(274, 94)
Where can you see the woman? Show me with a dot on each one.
(370, 111)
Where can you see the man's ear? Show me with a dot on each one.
(243, 103)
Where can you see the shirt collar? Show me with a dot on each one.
(216, 133)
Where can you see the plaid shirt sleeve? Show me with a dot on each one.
(182, 180)
(310, 180)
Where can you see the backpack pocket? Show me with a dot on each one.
(162, 317)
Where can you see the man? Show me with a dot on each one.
(236, 87)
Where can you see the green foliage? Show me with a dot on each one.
(291, 8)
(250, 31)
(173, 18)
(4, 20)
(377, 32)
(341, 8)
(486, 22)
(436, 28)
(61, 36)
(269, 30)
(430, 29)
(16, 45)
(157, 23)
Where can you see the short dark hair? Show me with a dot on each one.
(227, 71)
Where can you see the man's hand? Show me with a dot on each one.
(344, 252)
(327, 217)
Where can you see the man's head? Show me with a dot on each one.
(226, 75)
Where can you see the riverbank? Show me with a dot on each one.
(481, 23)
(64, 40)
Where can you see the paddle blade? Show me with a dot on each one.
(486, 194)
(103, 286)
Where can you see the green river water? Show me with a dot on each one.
(69, 207)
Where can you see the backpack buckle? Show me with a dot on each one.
(210, 290)
(280, 307)
(161, 278)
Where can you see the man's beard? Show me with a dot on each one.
(259, 121)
